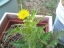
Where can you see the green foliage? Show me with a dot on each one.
(33, 36)
(52, 5)
(59, 46)
(20, 43)
(55, 38)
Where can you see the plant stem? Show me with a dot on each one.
(43, 42)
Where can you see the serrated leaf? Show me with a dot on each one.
(53, 43)
(19, 43)
(11, 32)
(55, 36)
(46, 37)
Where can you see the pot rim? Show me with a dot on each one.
(50, 18)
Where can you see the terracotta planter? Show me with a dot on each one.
(11, 18)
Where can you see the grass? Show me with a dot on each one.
(52, 5)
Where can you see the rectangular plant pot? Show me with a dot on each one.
(11, 18)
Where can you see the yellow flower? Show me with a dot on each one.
(23, 14)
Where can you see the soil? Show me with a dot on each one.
(45, 7)
(5, 43)
(16, 37)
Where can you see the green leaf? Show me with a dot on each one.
(53, 43)
(11, 32)
(55, 36)
(34, 12)
(46, 37)
(19, 44)
(39, 44)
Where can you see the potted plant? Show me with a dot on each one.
(26, 31)
(11, 18)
